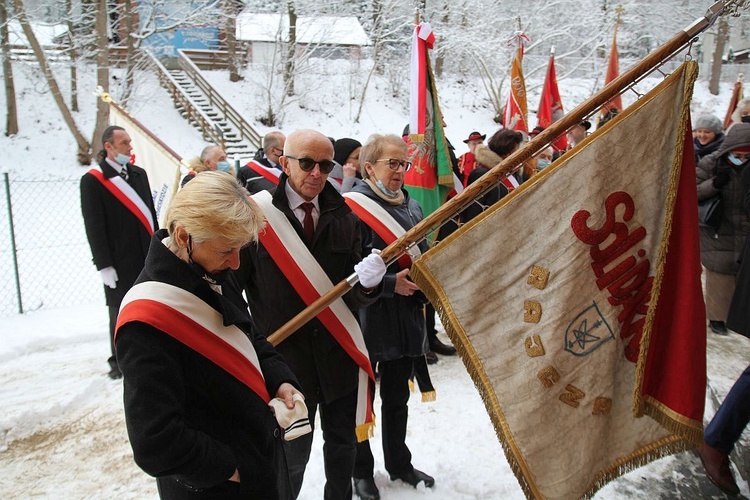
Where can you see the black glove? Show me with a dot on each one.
(721, 177)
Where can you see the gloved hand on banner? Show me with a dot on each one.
(109, 277)
(371, 269)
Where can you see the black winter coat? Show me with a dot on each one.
(116, 237)
(394, 326)
(720, 252)
(252, 180)
(190, 422)
(324, 369)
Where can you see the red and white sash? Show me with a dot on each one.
(309, 280)
(510, 182)
(199, 326)
(126, 195)
(384, 225)
(271, 174)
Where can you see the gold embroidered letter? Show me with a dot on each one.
(602, 406)
(572, 397)
(532, 311)
(538, 277)
(548, 376)
(534, 346)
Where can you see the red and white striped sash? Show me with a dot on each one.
(271, 174)
(309, 280)
(510, 182)
(187, 318)
(384, 225)
(126, 195)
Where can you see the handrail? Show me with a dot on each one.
(246, 131)
(211, 131)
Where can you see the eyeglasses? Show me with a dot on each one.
(395, 164)
(307, 164)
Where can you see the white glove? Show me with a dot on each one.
(109, 276)
(371, 269)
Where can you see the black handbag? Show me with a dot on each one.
(710, 211)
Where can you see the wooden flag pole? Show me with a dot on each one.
(454, 206)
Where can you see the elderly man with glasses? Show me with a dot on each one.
(312, 241)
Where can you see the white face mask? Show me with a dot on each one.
(735, 161)
(122, 159)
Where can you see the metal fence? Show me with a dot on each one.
(45, 260)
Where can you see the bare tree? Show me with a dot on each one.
(84, 148)
(721, 38)
(102, 72)
(291, 49)
(73, 58)
(11, 123)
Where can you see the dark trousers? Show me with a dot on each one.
(732, 417)
(337, 421)
(113, 312)
(394, 412)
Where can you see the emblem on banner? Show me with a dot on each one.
(587, 332)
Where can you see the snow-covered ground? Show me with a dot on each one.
(62, 432)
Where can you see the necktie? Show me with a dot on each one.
(308, 225)
(124, 173)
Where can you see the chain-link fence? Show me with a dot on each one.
(45, 260)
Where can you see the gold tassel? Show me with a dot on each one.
(429, 396)
(411, 385)
(365, 431)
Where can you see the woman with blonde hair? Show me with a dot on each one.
(198, 377)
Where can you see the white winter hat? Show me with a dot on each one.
(709, 122)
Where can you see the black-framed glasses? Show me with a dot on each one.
(307, 164)
(395, 164)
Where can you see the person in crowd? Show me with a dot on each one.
(320, 232)
(544, 158)
(468, 161)
(720, 174)
(345, 174)
(709, 134)
(198, 376)
(742, 112)
(394, 326)
(211, 158)
(262, 172)
(731, 419)
(501, 144)
(536, 131)
(606, 116)
(119, 216)
(577, 133)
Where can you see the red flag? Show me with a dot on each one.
(613, 71)
(550, 105)
(736, 98)
(515, 113)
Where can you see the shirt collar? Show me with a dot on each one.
(295, 200)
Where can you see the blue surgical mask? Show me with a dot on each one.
(122, 159)
(734, 160)
(222, 166)
(385, 190)
(542, 163)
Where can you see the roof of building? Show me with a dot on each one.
(328, 30)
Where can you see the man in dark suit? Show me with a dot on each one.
(266, 158)
(119, 215)
(321, 227)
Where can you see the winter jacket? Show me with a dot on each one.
(190, 423)
(252, 180)
(116, 236)
(394, 326)
(324, 369)
(721, 250)
(702, 150)
(486, 159)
